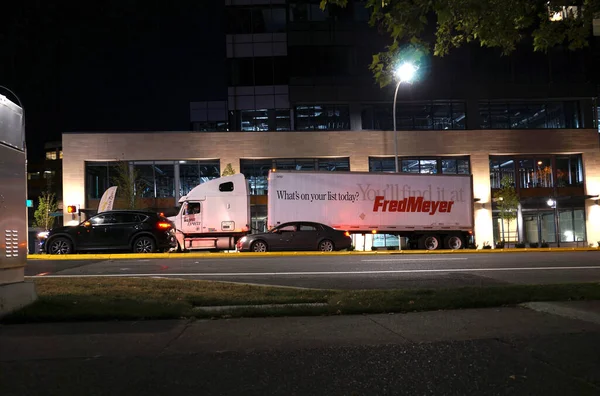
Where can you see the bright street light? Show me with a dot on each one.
(551, 202)
(404, 73)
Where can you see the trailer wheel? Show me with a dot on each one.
(429, 242)
(259, 246)
(454, 242)
(326, 246)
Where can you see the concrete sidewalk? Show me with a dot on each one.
(478, 351)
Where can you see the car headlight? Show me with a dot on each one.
(43, 234)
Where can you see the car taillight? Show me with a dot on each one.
(164, 225)
(347, 233)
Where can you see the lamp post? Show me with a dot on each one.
(404, 73)
(553, 203)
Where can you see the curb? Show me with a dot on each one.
(138, 256)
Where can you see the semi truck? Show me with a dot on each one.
(431, 211)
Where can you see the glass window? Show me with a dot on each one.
(428, 166)
(334, 164)
(317, 14)
(239, 20)
(298, 12)
(282, 120)
(307, 227)
(165, 180)
(464, 167)
(193, 173)
(567, 232)
(255, 120)
(145, 177)
(579, 225)
(210, 126)
(543, 176)
(51, 155)
(241, 71)
(547, 225)
(256, 173)
(317, 117)
(529, 115)
(361, 12)
(96, 179)
(379, 164)
(418, 116)
(103, 219)
(449, 166)
(569, 171)
(263, 70)
(530, 224)
(410, 166)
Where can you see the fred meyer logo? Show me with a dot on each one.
(411, 204)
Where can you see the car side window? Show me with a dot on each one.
(103, 219)
(127, 218)
(307, 227)
(288, 228)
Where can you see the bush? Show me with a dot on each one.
(533, 244)
(545, 245)
(520, 245)
(487, 247)
(500, 245)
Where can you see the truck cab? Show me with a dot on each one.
(214, 215)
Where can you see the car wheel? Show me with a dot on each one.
(430, 242)
(259, 246)
(144, 244)
(326, 246)
(60, 245)
(454, 242)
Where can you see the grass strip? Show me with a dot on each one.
(86, 299)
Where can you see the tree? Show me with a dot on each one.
(507, 202)
(128, 185)
(228, 171)
(491, 23)
(46, 206)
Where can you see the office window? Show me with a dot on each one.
(529, 115)
(165, 179)
(282, 120)
(417, 116)
(303, 12)
(322, 117)
(334, 164)
(445, 165)
(51, 155)
(145, 174)
(96, 179)
(255, 20)
(256, 173)
(210, 126)
(501, 167)
(254, 120)
(193, 173)
(569, 171)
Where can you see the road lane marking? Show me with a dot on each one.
(319, 273)
(408, 259)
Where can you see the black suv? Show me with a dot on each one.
(133, 230)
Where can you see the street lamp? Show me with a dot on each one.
(553, 203)
(404, 73)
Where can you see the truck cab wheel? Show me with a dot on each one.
(259, 246)
(429, 242)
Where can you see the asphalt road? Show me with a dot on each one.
(348, 272)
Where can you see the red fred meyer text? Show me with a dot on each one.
(411, 204)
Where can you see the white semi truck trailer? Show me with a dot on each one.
(432, 211)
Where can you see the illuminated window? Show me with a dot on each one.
(51, 155)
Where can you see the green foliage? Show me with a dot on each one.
(228, 171)
(507, 199)
(491, 23)
(128, 184)
(46, 205)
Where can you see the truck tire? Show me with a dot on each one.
(144, 244)
(326, 246)
(259, 246)
(60, 245)
(429, 242)
(454, 242)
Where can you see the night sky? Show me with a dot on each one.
(115, 68)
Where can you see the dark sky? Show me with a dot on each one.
(124, 65)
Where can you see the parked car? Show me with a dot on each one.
(132, 230)
(299, 235)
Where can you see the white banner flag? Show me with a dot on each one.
(108, 199)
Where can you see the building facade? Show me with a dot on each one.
(300, 96)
